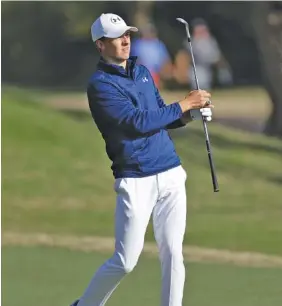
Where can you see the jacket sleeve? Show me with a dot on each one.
(109, 103)
(176, 123)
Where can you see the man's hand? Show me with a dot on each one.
(198, 105)
(196, 99)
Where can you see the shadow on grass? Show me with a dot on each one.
(193, 136)
(276, 179)
(191, 146)
(79, 115)
(243, 124)
(224, 142)
(189, 143)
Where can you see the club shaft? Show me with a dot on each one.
(192, 56)
(211, 163)
(208, 145)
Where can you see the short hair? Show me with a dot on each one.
(102, 38)
(198, 22)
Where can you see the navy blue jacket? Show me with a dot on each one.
(133, 119)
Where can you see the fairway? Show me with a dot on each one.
(56, 180)
(47, 276)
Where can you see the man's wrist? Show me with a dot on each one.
(183, 105)
(186, 118)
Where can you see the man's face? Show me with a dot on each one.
(116, 48)
(201, 31)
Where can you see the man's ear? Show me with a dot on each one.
(99, 45)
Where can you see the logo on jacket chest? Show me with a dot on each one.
(144, 79)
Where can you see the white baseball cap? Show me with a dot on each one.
(109, 25)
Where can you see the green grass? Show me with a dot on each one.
(56, 178)
(45, 276)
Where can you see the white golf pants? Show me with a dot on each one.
(164, 197)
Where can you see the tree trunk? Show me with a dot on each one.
(143, 12)
(267, 29)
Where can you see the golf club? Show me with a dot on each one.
(208, 144)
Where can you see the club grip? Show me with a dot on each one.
(213, 174)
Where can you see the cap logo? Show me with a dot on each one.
(116, 20)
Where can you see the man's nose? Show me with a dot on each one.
(126, 39)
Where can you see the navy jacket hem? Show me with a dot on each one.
(138, 174)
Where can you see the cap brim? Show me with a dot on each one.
(121, 31)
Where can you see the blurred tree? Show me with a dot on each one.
(33, 43)
(267, 28)
(80, 15)
(49, 43)
(143, 12)
(262, 21)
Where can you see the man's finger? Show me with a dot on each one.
(208, 95)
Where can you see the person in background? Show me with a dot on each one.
(208, 58)
(153, 54)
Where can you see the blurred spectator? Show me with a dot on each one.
(153, 54)
(209, 60)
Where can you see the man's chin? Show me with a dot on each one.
(123, 58)
(125, 55)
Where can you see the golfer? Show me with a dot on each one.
(149, 179)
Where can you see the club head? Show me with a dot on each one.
(186, 26)
(182, 21)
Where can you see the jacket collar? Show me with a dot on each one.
(116, 69)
